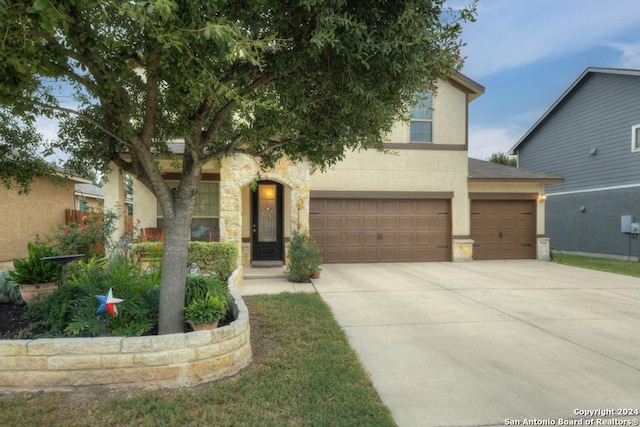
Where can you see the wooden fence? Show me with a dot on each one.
(72, 216)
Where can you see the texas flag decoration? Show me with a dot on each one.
(108, 302)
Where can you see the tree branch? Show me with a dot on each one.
(225, 111)
(75, 113)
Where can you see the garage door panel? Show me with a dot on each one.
(503, 229)
(352, 239)
(375, 230)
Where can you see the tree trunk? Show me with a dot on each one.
(174, 271)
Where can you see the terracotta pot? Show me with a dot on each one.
(204, 326)
(29, 292)
(316, 274)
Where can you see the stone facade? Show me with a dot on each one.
(237, 172)
(137, 362)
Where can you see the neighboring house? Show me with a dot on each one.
(25, 215)
(591, 137)
(414, 204)
(88, 196)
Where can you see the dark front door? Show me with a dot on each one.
(266, 220)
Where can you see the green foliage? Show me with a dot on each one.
(71, 310)
(33, 269)
(304, 257)
(309, 80)
(89, 238)
(307, 375)
(198, 287)
(217, 257)
(503, 158)
(146, 251)
(210, 309)
(9, 290)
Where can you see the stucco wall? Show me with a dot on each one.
(449, 118)
(404, 170)
(144, 205)
(22, 216)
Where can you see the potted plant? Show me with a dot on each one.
(204, 314)
(304, 257)
(34, 275)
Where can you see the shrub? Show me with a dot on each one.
(207, 310)
(198, 287)
(304, 257)
(71, 310)
(217, 257)
(33, 270)
(89, 237)
(9, 290)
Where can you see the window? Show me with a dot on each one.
(205, 225)
(635, 138)
(421, 127)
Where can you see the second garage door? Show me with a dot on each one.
(503, 229)
(381, 230)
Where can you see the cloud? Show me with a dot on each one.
(630, 54)
(513, 33)
(484, 141)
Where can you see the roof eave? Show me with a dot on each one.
(546, 181)
(473, 88)
(513, 150)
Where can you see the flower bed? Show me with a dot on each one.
(136, 362)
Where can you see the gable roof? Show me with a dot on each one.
(89, 190)
(470, 87)
(483, 171)
(588, 71)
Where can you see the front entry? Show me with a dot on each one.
(266, 220)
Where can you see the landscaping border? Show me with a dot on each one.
(148, 362)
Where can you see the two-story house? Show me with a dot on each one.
(591, 137)
(420, 202)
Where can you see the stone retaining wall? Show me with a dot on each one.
(137, 362)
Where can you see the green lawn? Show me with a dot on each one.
(304, 374)
(629, 268)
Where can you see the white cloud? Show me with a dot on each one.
(630, 54)
(484, 141)
(512, 33)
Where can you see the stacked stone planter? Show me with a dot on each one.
(138, 362)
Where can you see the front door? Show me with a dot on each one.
(266, 220)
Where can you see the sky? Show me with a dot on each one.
(526, 53)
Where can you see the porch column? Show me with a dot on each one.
(114, 199)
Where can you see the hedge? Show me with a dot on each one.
(217, 257)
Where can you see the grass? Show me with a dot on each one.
(629, 268)
(304, 374)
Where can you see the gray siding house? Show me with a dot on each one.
(591, 137)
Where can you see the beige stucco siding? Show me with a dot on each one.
(449, 118)
(404, 170)
(22, 216)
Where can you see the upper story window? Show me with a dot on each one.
(635, 138)
(421, 126)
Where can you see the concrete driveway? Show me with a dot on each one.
(492, 343)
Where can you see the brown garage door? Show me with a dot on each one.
(503, 229)
(377, 230)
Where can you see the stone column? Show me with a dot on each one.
(543, 249)
(462, 250)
